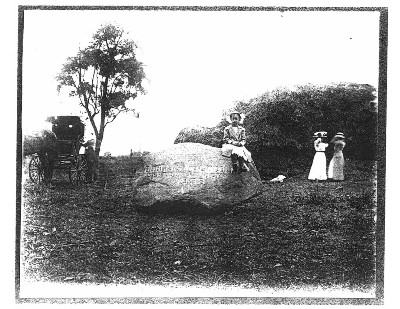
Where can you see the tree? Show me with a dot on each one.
(103, 76)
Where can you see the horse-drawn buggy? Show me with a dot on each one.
(59, 149)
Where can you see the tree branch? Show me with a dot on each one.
(116, 79)
(114, 116)
(119, 38)
(86, 106)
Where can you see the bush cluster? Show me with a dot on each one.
(280, 125)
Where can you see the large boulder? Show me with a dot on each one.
(192, 178)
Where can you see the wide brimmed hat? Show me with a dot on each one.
(89, 143)
(241, 115)
(338, 135)
(320, 134)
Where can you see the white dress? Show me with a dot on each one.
(318, 167)
(336, 166)
(236, 134)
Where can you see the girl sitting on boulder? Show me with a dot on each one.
(234, 141)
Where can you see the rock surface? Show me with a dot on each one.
(193, 178)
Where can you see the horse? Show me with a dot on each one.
(44, 144)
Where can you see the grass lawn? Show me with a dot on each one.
(297, 233)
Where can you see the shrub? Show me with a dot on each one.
(208, 136)
(280, 125)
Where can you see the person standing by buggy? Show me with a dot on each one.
(234, 140)
(90, 158)
(336, 165)
(318, 167)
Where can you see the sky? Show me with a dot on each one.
(197, 63)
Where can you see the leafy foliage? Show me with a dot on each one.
(208, 136)
(280, 124)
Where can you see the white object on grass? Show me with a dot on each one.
(279, 178)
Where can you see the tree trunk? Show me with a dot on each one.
(99, 138)
(96, 165)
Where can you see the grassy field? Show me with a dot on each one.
(297, 233)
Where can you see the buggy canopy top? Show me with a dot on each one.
(68, 127)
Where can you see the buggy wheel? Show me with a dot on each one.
(78, 170)
(36, 172)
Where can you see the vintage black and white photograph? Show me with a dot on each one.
(201, 154)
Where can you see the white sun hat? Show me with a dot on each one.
(241, 115)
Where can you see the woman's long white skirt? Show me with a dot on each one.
(336, 167)
(318, 167)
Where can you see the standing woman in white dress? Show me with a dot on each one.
(318, 167)
(336, 166)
